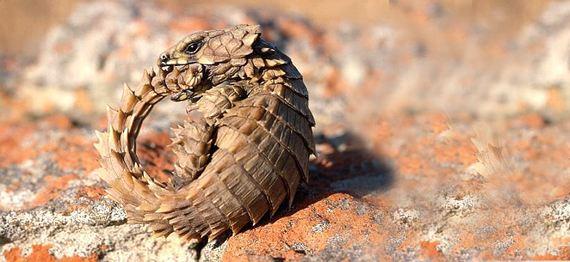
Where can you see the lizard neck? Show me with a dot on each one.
(269, 67)
(264, 65)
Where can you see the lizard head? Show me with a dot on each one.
(204, 59)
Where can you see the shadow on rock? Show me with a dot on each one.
(345, 165)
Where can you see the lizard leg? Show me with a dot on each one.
(192, 141)
(191, 144)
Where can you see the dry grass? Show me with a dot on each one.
(491, 153)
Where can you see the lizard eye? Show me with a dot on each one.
(192, 48)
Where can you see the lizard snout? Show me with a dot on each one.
(164, 57)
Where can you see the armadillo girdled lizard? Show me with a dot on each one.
(242, 151)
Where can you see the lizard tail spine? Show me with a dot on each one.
(129, 183)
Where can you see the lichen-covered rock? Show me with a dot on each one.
(420, 192)
(424, 152)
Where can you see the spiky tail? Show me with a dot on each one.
(129, 184)
(146, 200)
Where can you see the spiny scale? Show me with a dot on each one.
(242, 151)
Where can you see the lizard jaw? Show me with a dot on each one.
(166, 68)
(184, 81)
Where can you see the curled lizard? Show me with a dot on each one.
(242, 150)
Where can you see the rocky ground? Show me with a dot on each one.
(437, 140)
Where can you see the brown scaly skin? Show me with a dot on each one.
(242, 150)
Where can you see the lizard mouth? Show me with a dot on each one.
(170, 68)
(166, 68)
(183, 80)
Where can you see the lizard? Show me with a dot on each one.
(241, 152)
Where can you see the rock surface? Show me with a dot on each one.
(423, 153)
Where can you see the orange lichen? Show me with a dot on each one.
(458, 150)
(556, 100)
(563, 254)
(531, 120)
(83, 102)
(331, 219)
(438, 123)
(41, 253)
(13, 150)
(156, 155)
(429, 249)
(91, 192)
(53, 186)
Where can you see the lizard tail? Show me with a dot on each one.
(145, 200)
(129, 183)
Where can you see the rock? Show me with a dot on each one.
(402, 172)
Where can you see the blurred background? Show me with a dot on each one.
(436, 120)
(487, 58)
